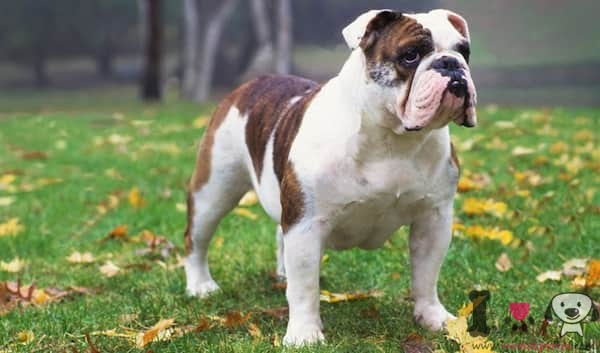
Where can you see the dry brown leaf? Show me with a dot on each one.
(35, 155)
(503, 263)
(119, 232)
(415, 343)
(157, 332)
(78, 258)
(14, 266)
(109, 269)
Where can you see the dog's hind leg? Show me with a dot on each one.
(218, 183)
(280, 260)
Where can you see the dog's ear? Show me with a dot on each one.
(456, 20)
(595, 313)
(365, 28)
(548, 315)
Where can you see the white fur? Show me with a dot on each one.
(363, 177)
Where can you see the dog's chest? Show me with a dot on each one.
(374, 200)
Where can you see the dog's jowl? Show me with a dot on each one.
(346, 163)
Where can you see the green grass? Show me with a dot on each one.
(55, 218)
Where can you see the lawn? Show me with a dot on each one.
(76, 167)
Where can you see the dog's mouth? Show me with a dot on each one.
(435, 99)
(573, 317)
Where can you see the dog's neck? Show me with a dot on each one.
(373, 139)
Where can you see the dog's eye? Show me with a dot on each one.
(562, 304)
(465, 50)
(410, 57)
(579, 304)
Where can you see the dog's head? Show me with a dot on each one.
(571, 308)
(417, 65)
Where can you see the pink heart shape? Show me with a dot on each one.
(519, 310)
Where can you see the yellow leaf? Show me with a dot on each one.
(6, 179)
(549, 275)
(578, 282)
(16, 265)
(135, 198)
(25, 337)
(593, 276)
(109, 269)
(254, 331)
(244, 212)
(157, 332)
(503, 263)
(472, 206)
(6, 201)
(40, 297)
(522, 151)
(329, 297)
(11, 227)
(249, 199)
(559, 147)
(584, 135)
(79, 258)
(479, 232)
(181, 207)
(200, 122)
(466, 310)
(119, 232)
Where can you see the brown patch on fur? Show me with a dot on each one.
(454, 157)
(387, 37)
(292, 199)
(267, 101)
(188, 228)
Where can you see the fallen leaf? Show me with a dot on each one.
(135, 198)
(200, 122)
(575, 267)
(119, 232)
(35, 155)
(415, 343)
(469, 182)
(522, 151)
(6, 201)
(181, 207)
(465, 310)
(593, 276)
(16, 265)
(11, 227)
(79, 258)
(578, 282)
(473, 206)
(157, 332)
(25, 337)
(109, 269)
(249, 199)
(503, 263)
(329, 297)
(244, 212)
(254, 330)
(559, 147)
(549, 275)
(479, 232)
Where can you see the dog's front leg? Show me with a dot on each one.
(302, 256)
(430, 237)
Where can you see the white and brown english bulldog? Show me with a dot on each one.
(344, 163)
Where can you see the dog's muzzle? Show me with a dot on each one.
(442, 93)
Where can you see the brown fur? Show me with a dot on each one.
(266, 101)
(387, 36)
(292, 199)
(188, 228)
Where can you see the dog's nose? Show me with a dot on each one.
(458, 87)
(446, 63)
(572, 312)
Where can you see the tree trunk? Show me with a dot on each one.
(40, 72)
(191, 46)
(263, 59)
(104, 58)
(206, 61)
(283, 60)
(151, 85)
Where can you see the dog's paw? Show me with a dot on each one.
(202, 290)
(303, 335)
(432, 316)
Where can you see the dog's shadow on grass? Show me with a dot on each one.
(382, 319)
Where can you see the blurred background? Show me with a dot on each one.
(537, 52)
